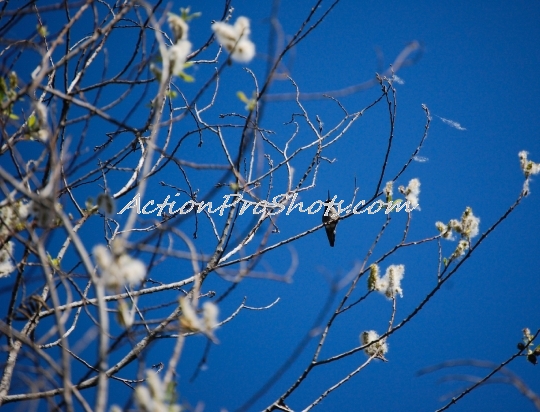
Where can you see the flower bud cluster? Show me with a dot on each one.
(235, 39)
(390, 284)
(118, 269)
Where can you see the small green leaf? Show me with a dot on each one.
(243, 98)
(55, 263)
(184, 13)
(31, 121)
(250, 103)
(42, 31)
(13, 116)
(186, 77)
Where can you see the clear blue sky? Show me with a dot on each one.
(478, 68)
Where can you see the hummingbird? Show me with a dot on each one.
(330, 220)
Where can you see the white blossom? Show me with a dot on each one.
(154, 397)
(210, 316)
(226, 34)
(390, 284)
(411, 192)
(446, 230)
(6, 216)
(454, 224)
(102, 256)
(373, 278)
(6, 263)
(22, 211)
(244, 51)
(378, 349)
(393, 277)
(12, 218)
(119, 269)
(178, 55)
(235, 39)
(178, 26)
(461, 248)
(526, 189)
(42, 114)
(468, 227)
(180, 50)
(133, 271)
(470, 224)
(389, 190)
(118, 247)
(523, 158)
(528, 166)
(241, 25)
(190, 321)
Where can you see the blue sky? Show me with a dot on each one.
(478, 67)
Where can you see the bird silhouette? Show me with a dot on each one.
(330, 220)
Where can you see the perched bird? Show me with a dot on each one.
(330, 220)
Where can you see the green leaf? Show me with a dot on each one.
(42, 31)
(32, 121)
(13, 116)
(186, 77)
(250, 103)
(184, 13)
(243, 98)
